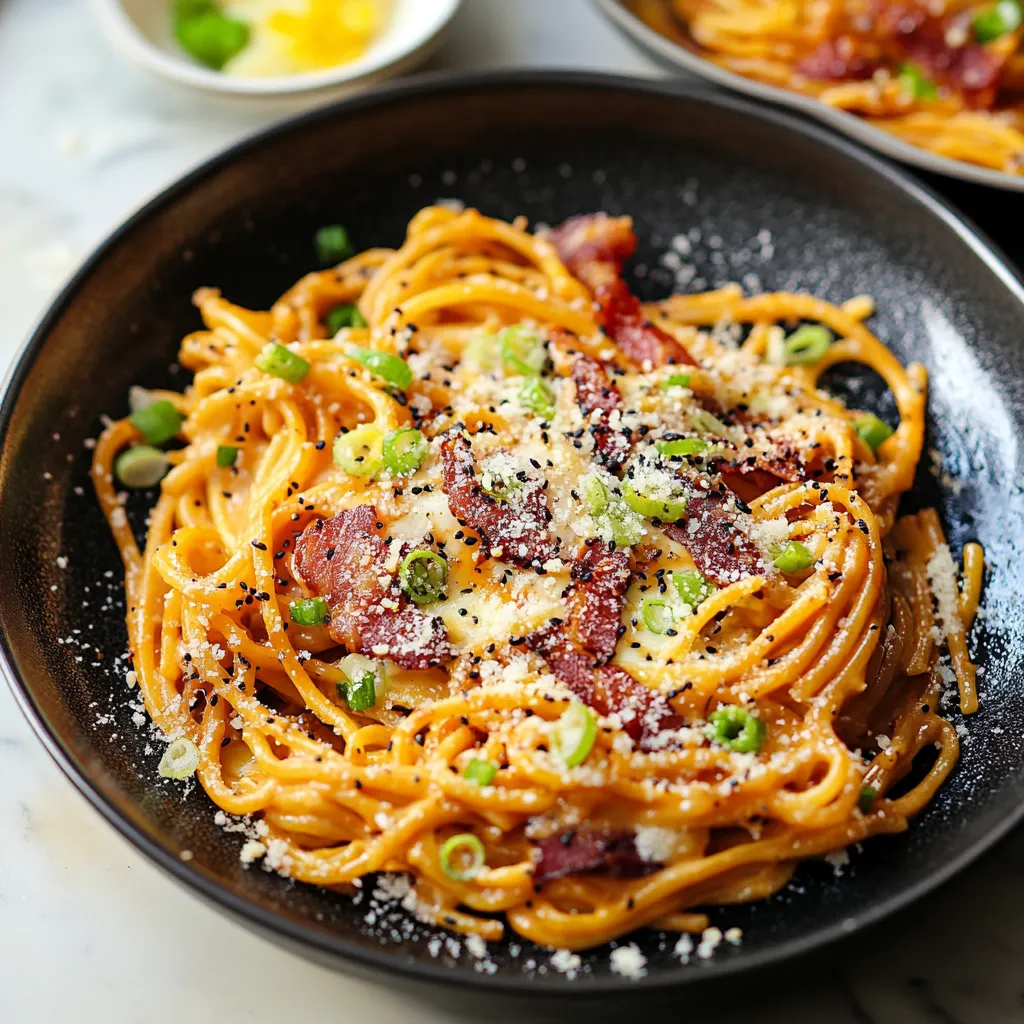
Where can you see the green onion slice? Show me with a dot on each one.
(423, 576)
(677, 380)
(682, 446)
(480, 771)
(614, 521)
(404, 451)
(332, 244)
(703, 420)
(871, 430)
(596, 495)
(692, 587)
(482, 352)
(207, 35)
(574, 734)
(311, 611)
(226, 455)
(794, 557)
(536, 396)
(360, 694)
(462, 857)
(360, 452)
(345, 315)
(915, 82)
(141, 466)
(996, 20)
(733, 727)
(391, 369)
(522, 351)
(279, 361)
(158, 422)
(652, 506)
(866, 799)
(804, 347)
(180, 760)
(657, 614)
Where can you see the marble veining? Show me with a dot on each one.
(88, 929)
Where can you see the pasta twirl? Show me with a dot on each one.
(582, 614)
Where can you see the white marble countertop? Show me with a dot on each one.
(88, 930)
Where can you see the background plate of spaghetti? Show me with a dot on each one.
(932, 85)
(506, 606)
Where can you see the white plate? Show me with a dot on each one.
(671, 55)
(141, 30)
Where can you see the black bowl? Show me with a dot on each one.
(764, 198)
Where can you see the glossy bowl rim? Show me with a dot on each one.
(668, 53)
(335, 950)
(122, 32)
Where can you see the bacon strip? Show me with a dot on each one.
(594, 247)
(749, 476)
(721, 551)
(518, 528)
(578, 649)
(588, 850)
(837, 60)
(343, 559)
(597, 393)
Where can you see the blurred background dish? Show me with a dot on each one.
(661, 30)
(302, 49)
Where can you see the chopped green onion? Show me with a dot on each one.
(657, 614)
(574, 734)
(498, 478)
(794, 557)
(804, 347)
(360, 694)
(311, 611)
(997, 20)
(703, 420)
(596, 495)
(481, 772)
(332, 244)
(650, 506)
(915, 82)
(391, 369)
(522, 351)
(279, 361)
(345, 315)
(537, 397)
(206, 34)
(226, 455)
(158, 422)
(423, 575)
(677, 380)
(139, 398)
(360, 451)
(462, 857)
(180, 760)
(692, 587)
(141, 466)
(358, 667)
(867, 798)
(871, 430)
(404, 451)
(683, 446)
(733, 727)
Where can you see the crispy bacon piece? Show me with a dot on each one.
(589, 850)
(343, 559)
(750, 476)
(917, 34)
(579, 648)
(597, 393)
(519, 528)
(718, 547)
(837, 60)
(594, 247)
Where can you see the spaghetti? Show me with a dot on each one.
(582, 614)
(947, 77)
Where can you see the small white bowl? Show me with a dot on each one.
(141, 30)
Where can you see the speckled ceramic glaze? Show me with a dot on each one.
(740, 193)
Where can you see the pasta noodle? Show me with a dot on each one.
(583, 615)
(945, 76)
